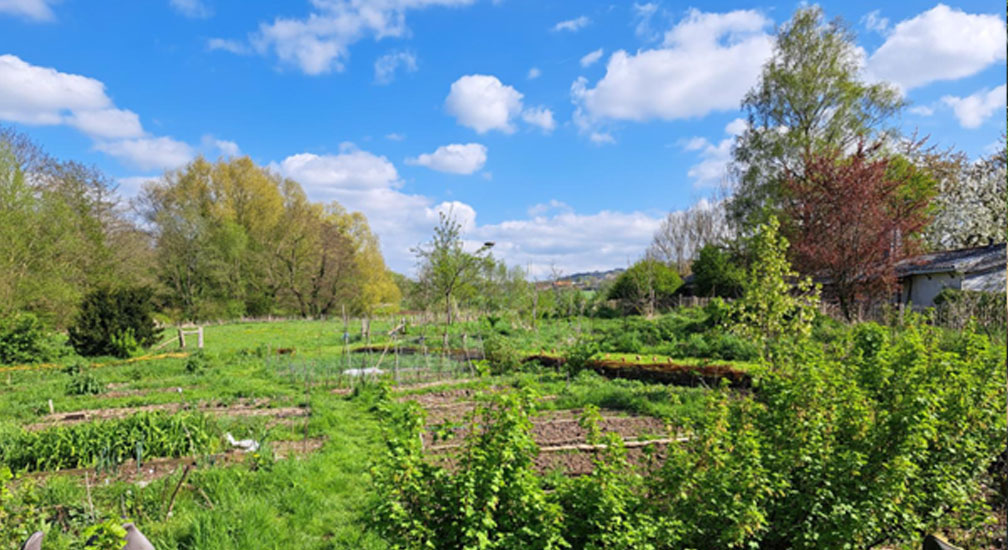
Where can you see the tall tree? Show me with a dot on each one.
(684, 232)
(645, 287)
(810, 96)
(971, 204)
(446, 269)
(852, 218)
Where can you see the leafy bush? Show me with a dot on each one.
(955, 308)
(107, 535)
(501, 354)
(81, 382)
(579, 356)
(24, 339)
(646, 287)
(492, 499)
(715, 273)
(199, 362)
(114, 322)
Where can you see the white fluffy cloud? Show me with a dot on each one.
(385, 66)
(149, 153)
(572, 25)
(320, 42)
(553, 232)
(107, 123)
(350, 170)
(37, 10)
(35, 95)
(974, 109)
(714, 158)
(456, 158)
(556, 235)
(483, 103)
(942, 43)
(591, 57)
(196, 9)
(541, 117)
(706, 63)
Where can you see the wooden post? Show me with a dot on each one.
(199, 338)
(181, 338)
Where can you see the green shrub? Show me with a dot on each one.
(114, 322)
(579, 356)
(24, 339)
(501, 354)
(81, 382)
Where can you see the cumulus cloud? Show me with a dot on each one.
(385, 66)
(942, 43)
(706, 63)
(35, 95)
(219, 147)
(556, 235)
(572, 25)
(195, 9)
(456, 158)
(974, 109)
(541, 117)
(320, 43)
(483, 103)
(149, 153)
(534, 73)
(591, 57)
(108, 123)
(553, 232)
(36, 10)
(714, 157)
(643, 15)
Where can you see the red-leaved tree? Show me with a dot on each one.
(853, 217)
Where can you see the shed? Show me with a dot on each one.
(923, 277)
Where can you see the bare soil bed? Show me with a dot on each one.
(561, 439)
(241, 407)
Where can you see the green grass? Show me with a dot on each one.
(318, 501)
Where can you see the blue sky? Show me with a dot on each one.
(564, 131)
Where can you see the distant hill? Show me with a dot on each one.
(590, 280)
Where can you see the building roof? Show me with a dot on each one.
(963, 260)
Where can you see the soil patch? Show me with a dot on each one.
(241, 407)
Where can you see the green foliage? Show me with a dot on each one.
(956, 308)
(447, 272)
(202, 361)
(107, 535)
(491, 499)
(715, 273)
(811, 87)
(502, 355)
(109, 443)
(114, 322)
(82, 381)
(608, 507)
(579, 356)
(773, 303)
(645, 287)
(24, 339)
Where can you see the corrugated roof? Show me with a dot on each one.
(963, 260)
